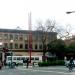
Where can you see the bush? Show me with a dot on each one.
(52, 63)
(43, 63)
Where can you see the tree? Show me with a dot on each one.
(45, 29)
(71, 48)
(51, 26)
(58, 47)
(63, 32)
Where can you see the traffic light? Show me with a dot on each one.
(5, 49)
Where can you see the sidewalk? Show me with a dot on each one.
(48, 67)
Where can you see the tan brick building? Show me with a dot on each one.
(20, 44)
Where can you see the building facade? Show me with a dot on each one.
(18, 41)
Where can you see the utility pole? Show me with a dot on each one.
(30, 35)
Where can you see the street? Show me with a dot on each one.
(55, 70)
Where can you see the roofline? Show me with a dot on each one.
(21, 31)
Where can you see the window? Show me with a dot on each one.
(10, 36)
(14, 58)
(35, 36)
(32, 58)
(8, 54)
(26, 37)
(5, 36)
(40, 46)
(21, 46)
(36, 58)
(26, 46)
(22, 58)
(11, 45)
(9, 58)
(16, 46)
(36, 46)
(18, 58)
(21, 37)
(0, 36)
(6, 45)
(16, 37)
(27, 58)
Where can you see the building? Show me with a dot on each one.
(70, 40)
(18, 41)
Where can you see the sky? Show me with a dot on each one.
(14, 13)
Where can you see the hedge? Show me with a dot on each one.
(52, 63)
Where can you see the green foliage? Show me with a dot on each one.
(56, 46)
(52, 63)
(60, 48)
(70, 48)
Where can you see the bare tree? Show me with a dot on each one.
(63, 32)
(50, 26)
(45, 28)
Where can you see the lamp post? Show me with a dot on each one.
(1, 46)
(11, 41)
(69, 12)
(3, 53)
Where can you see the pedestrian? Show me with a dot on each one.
(0, 65)
(65, 60)
(33, 64)
(27, 63)
(24, 62)
(71, 62)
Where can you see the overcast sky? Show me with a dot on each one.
(14, 13)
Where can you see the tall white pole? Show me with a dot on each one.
(30, 35)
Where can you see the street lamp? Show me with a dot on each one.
(11, 41)
(1, 46)
(69, 12)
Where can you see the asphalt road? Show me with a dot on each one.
(56, 70)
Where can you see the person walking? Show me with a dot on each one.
(0, 65)
(65, 60)
(71, 64)
(27, 63)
